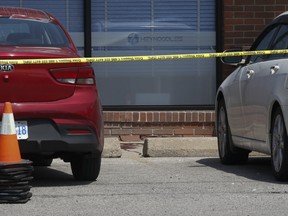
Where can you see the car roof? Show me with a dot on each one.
(24, 13)
(283, 17)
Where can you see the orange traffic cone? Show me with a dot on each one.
(9, 146)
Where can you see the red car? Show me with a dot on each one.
(56, 107)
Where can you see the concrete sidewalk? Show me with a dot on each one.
(161, 147)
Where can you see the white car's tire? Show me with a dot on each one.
(279, 148)
(227, 153)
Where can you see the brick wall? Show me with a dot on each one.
(245, 19)
(159, 123)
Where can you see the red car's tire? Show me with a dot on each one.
(86, 168)
(42, 161)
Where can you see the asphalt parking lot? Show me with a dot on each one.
(133, 185)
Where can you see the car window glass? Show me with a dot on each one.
(22, 32)
(280, 42)
(264, 44)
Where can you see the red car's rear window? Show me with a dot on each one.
(27, 32)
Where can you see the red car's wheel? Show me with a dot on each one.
(86, 167)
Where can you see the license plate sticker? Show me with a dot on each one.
(21, 129)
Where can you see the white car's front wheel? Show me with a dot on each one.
(279, 151)
(225, 145)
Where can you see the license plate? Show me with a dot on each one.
(21, 129)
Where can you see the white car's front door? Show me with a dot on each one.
(256, 98)
(234, 105)
(249, 78)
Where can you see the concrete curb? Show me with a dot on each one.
(112, 148)
(180, 147)
(163, 147)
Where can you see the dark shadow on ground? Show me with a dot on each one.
(51, 177)
(257, 168)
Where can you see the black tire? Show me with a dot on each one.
(86, 167)
(42, 161)
(279, 148)
(227, 152)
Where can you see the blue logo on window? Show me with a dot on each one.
(133, 38)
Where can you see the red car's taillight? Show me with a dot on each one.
(77, 75)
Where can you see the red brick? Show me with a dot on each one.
(142, 131)
(244, 2)
(244, 27)
(233, 8)
(162, 132)
(162, 116)
(279, 2)
(185, 131)
(228, 28)
(274, 8)
(121, 131)
(188, 116)
(126, 125)
(243, 14)
(175, 117)
(182, 116)
(283, 2)
(110, 116)
(149, 116)
(136, 116)
(169, 117)
(130, 138)
(156, 117)
(195, 116)
(107, 132)
(263, 2)
(253, 8)
(228, 13)
(231, 21)
(228, 43)
(116, 116)
(128, 117)
(252, 34)
(202, 117)
(113, 125)
(263, 14)
(143, 117)
(204, 131)
(254, 21)
(122, 116)
(234, 34)
(228, 2)
(208, 117)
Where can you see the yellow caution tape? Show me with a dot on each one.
(141, 58)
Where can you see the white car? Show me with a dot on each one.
(252, 103)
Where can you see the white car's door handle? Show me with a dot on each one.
(274, 69)
(250, 73)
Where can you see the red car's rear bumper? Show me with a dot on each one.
(74, 124)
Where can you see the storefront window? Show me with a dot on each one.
(144, 27)
(148, 27)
